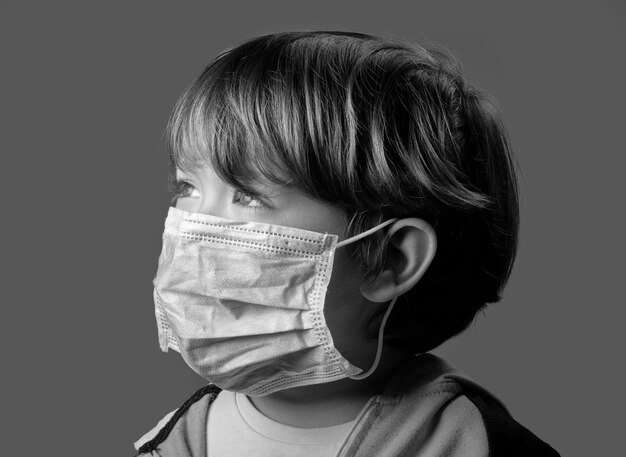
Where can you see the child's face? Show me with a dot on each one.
(347, 312)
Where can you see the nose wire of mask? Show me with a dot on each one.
(381, 331)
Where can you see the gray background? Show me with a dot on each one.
(85, 92)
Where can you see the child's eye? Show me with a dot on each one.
(247, 200)
(182, 189)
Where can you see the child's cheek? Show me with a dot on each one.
(346, 311)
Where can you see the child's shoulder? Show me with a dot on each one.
(182, 431)
(154, 431)
(429, 407)
(505, 436)
(436, 409)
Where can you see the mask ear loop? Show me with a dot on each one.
(381, 331)
(366, 233)
(379, 349)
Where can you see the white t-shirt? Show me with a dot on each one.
(236, 428)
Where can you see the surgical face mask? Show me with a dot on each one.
(243, 302)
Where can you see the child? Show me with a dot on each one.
(342, 203)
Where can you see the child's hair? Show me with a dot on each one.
(380, 128)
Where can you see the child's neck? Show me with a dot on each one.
(324, 405)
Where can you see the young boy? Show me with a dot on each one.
(343, 205)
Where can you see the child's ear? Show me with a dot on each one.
(410, 251)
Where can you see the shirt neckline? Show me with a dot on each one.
(287, 433)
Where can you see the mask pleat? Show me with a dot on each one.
(243, 302)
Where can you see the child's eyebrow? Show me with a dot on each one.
(254, 188)
(178, 175)
(260, 190)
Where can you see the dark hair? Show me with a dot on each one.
(380, 128)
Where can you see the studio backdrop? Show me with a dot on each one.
(86, 89)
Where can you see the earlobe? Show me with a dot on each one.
(411, 249)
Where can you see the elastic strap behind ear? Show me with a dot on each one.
(379, 349)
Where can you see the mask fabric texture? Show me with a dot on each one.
(243, 302)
